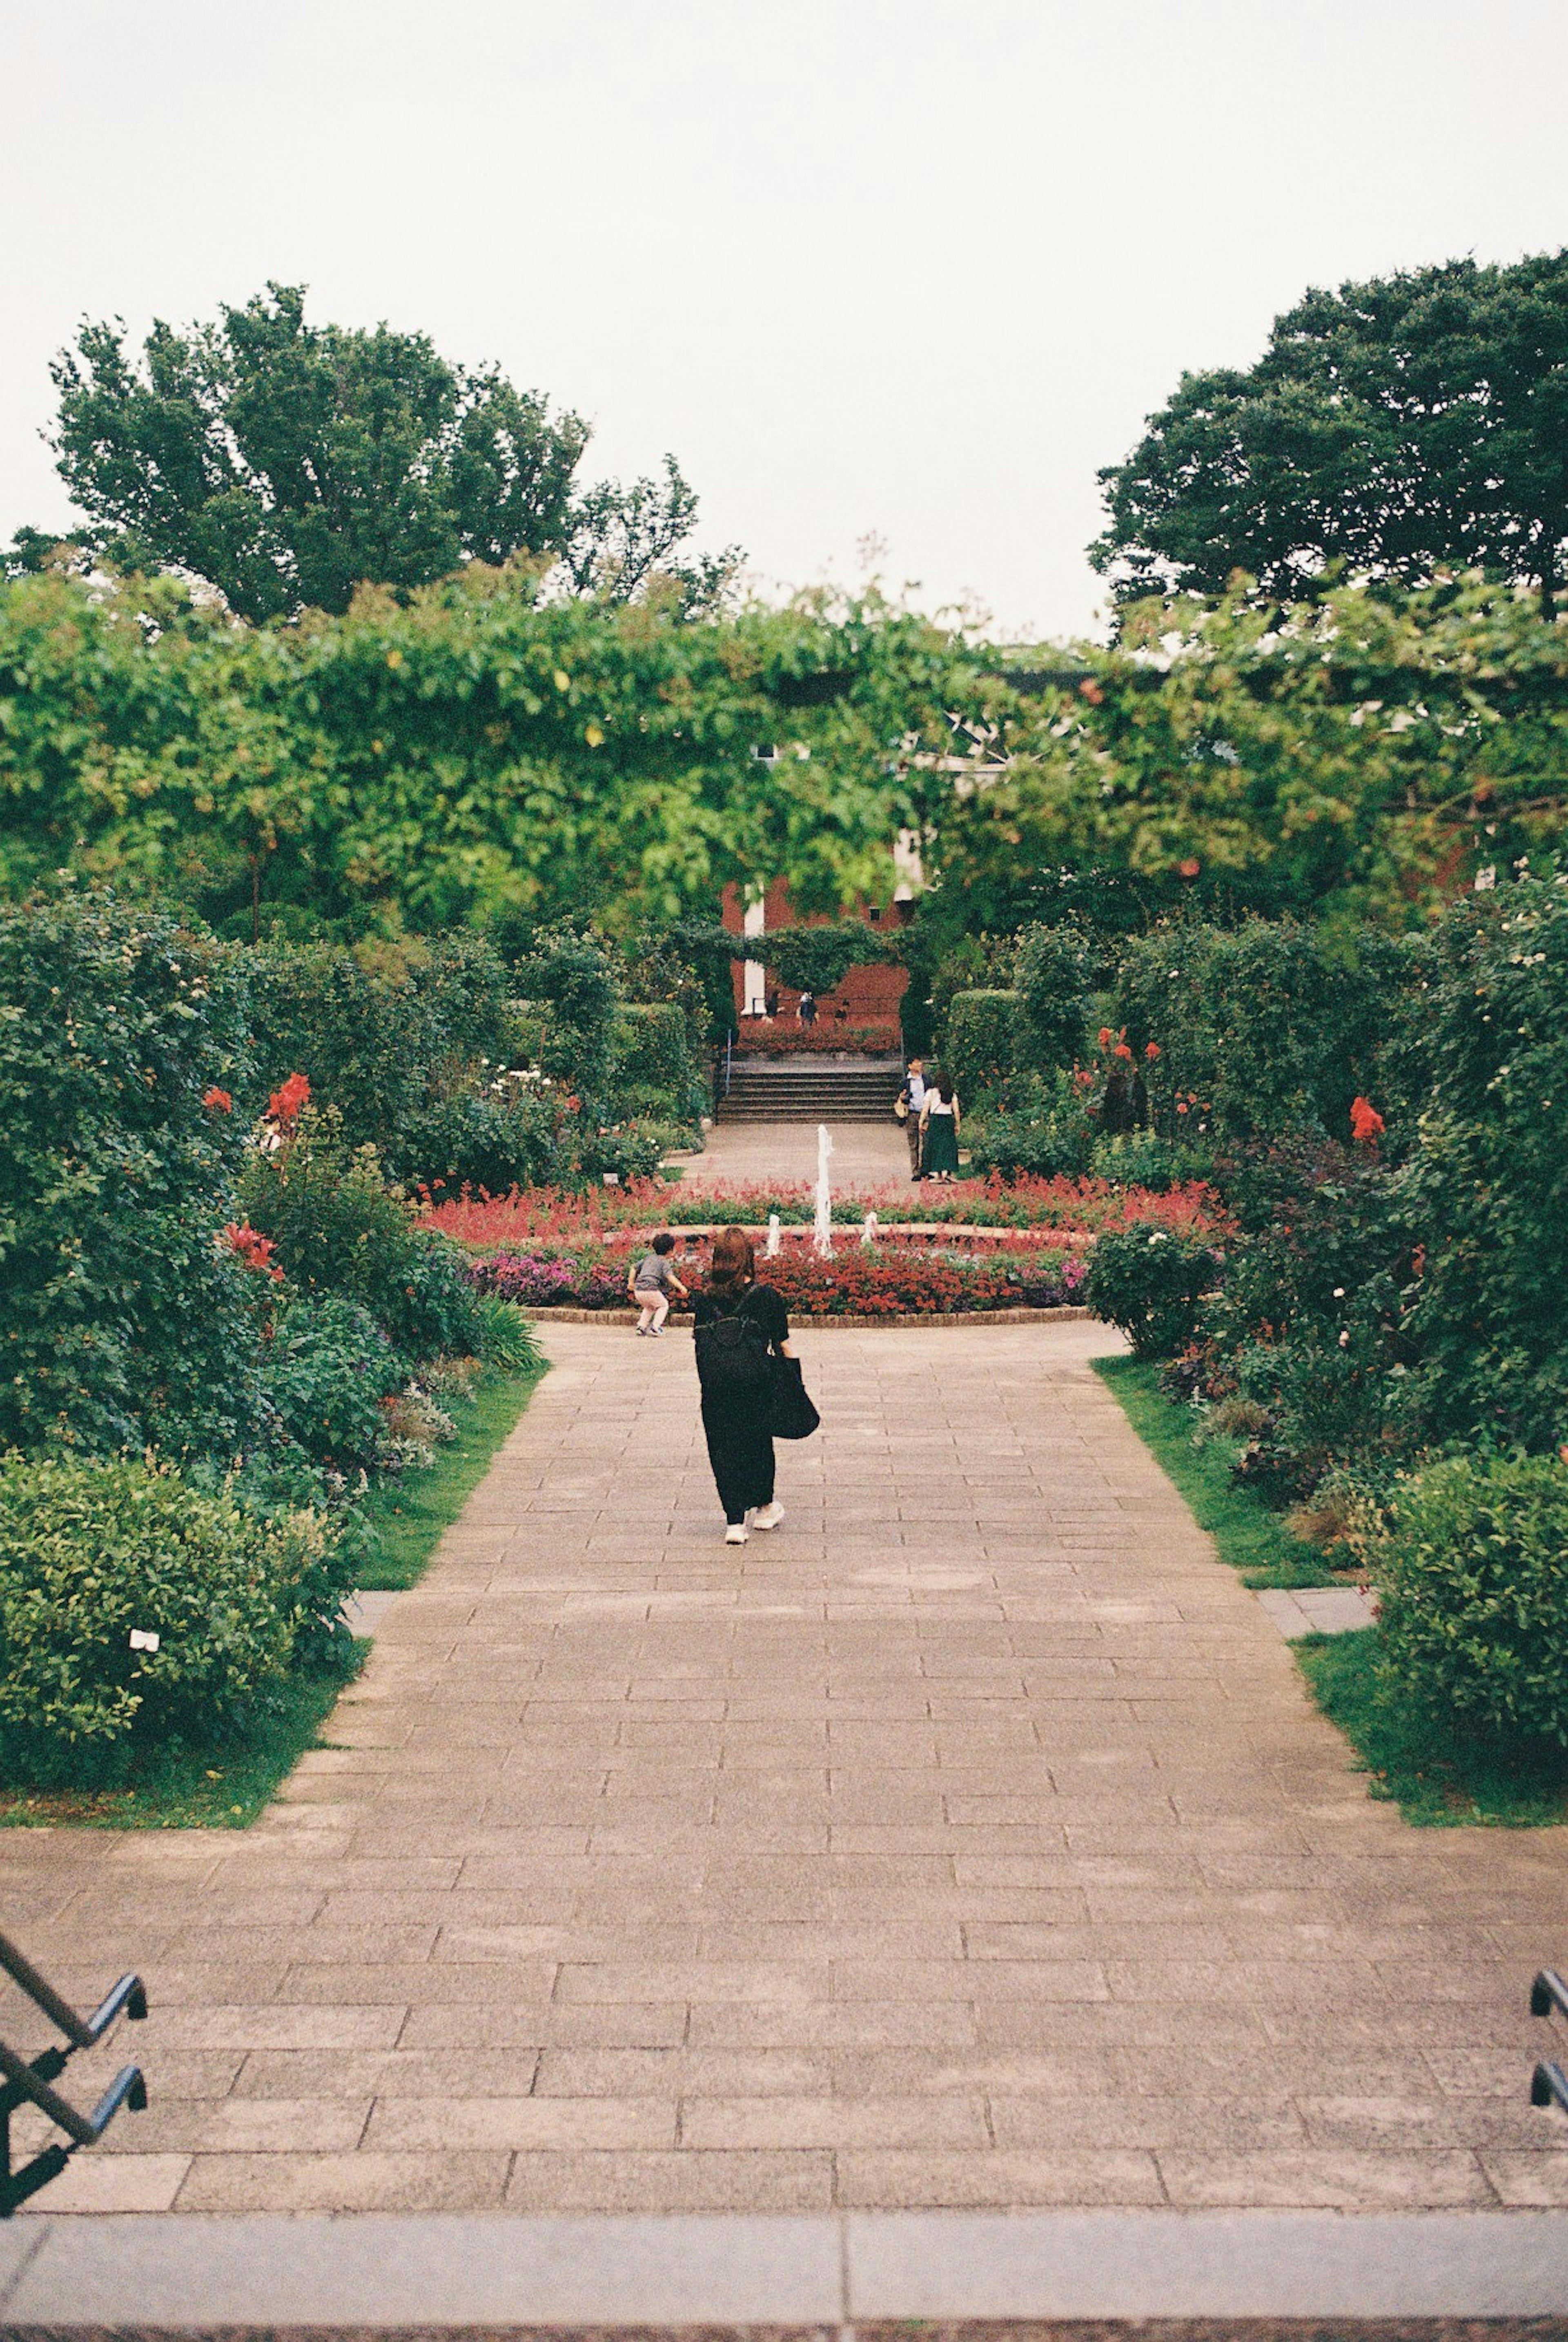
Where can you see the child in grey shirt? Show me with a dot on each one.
(650, 1283)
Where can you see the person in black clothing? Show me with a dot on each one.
(735, 1409)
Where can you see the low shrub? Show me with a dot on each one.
(1472, 1567)
(1037, 1130)
(1138, 1158)
(489, 1142)
(338, 1228)
(506, 1339)
(1149, 1282)
(94, 1552)
(326, 1372)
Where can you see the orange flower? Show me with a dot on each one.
(287, 1100)
(1366, 1124)
(1104, 1036)
(1151, 1050)
(217, 1101)
(1121, 1050)
(1190, 867)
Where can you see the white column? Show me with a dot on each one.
(753, 975)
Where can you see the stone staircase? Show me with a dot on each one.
(809, 1089)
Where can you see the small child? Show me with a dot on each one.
(650, 1283)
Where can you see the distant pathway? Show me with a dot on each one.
(969, 1842)
(864, 1155)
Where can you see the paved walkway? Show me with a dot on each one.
(864, 1155)
(969, 1843)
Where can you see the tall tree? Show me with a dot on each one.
(1410, 425)
(287, 463)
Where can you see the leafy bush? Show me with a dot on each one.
(327, 1369)
(983, 1044)
(506, 1339)
(1137, 1158)
(93, 1551)
(1053, 980)
(1042, 1133)
(651, 1059)
(338, 1228)
(568, 981)
(1261, 1030)
(487, 1142)
(1473, 1576)
(123, 1322)
(1487, 1187)
(1149, 1282)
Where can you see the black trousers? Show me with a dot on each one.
(740, 1451)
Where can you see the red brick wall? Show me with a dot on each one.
(871, 994)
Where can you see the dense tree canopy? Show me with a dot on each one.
(467, 753)
(287, 463)
(1405, 426)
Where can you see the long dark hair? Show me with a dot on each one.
(735, 1264)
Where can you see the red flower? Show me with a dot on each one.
(1190, 867)
(1092, 692)
(287, 1102)
(1151, 1050)
(1106, 1036)
(1366, 1124)
(1121, 1050)
(254, 1249)
(218, 1101)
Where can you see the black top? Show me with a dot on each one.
(758, 1302)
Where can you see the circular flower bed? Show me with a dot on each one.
(889, 1280)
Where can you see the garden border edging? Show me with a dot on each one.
(543, 1315)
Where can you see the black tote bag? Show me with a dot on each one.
(791, 1414)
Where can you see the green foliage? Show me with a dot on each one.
(983, 1047)
(407, 1517)
(123, 1321)
(816, 957)
(92, 1551)
(1472, 1575)
(653, 1070)
(1053, 978)
(1149, 1282)
(1137, 1158)
(1042, 1131)
(1402, 427)
(489, 1143)
(326, 1370)
(1262, 1030)
(505, 1339)
(340, 1229)
(568, 980)
(1487, 1188)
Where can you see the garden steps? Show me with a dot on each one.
(810, 1089)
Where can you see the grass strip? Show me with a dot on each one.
(1251, 1537)
(408, 1516)
(1434, 1776)
(201, 1789)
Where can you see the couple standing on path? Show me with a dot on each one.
(929, 1113)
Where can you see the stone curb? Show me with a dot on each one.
(544, 1314)
(369, 2272)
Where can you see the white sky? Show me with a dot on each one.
(906, 269)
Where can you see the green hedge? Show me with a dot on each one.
(984, 1045)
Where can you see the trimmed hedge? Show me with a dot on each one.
(984, 1045)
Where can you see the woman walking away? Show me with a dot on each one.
(738, 1322)
(939, 1124)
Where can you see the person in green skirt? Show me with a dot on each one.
(939, 1123)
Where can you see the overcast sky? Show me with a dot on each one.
(903, 269)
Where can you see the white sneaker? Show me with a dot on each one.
(734, 1534)
(768, 1516)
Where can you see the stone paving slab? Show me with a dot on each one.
(970, 1844)
(765, 2275)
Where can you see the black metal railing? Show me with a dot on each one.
(28, 2081)
(1548, 2083)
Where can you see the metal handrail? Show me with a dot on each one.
(27, 2081)
(1548, 2083)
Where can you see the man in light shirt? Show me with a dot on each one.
(911, 1098)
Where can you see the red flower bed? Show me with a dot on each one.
(858, 1281)
(1057, 1211)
